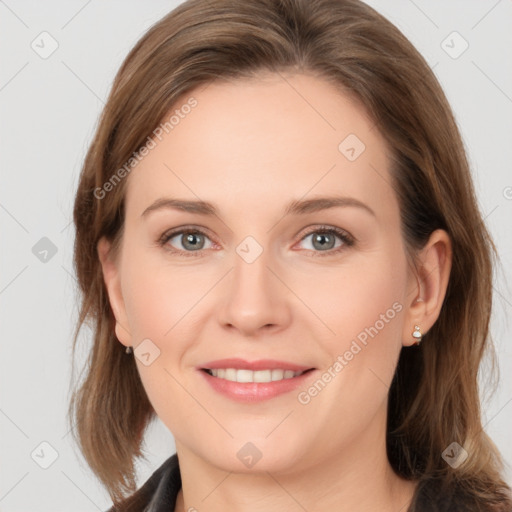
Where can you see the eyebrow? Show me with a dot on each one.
(296, 207)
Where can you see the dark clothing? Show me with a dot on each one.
(159, 492)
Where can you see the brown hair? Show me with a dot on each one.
(433, 400)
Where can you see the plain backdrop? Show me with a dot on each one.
(49, 108)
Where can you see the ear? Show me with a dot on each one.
(427, 285)
(111, 277)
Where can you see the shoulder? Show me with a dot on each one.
(158, 493)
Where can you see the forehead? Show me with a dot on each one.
(252, 143)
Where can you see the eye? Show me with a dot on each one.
(192, 241)
(323, 240)
(186, 241)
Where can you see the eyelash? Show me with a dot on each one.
(348, 240)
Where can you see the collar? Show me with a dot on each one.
(158, 493)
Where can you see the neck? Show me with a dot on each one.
(357, 479)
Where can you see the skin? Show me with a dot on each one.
(250, 147)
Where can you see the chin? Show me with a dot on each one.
(258, 456)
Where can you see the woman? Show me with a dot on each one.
(279, 246)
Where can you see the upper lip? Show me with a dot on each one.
(260, 364)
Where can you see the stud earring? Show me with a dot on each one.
(417, 334)
(129, 350)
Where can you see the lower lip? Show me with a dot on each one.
(255, 391)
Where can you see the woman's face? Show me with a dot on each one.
(284, 163)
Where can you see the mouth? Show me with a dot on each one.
(255, 381)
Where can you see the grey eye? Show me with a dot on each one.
(189, 240)
(323, 240)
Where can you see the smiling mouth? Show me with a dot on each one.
(253, 376)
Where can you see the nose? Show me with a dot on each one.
(256, 299)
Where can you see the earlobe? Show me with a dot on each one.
(111, 278)
(429, 287)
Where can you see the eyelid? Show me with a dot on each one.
(189, 228)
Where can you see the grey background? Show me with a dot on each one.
(49, 108)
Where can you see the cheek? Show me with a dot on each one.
(158, 304)
(364, 309)
(354, 298)
(163, 304)
(157, 297)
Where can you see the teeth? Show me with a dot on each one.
(235, 375)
